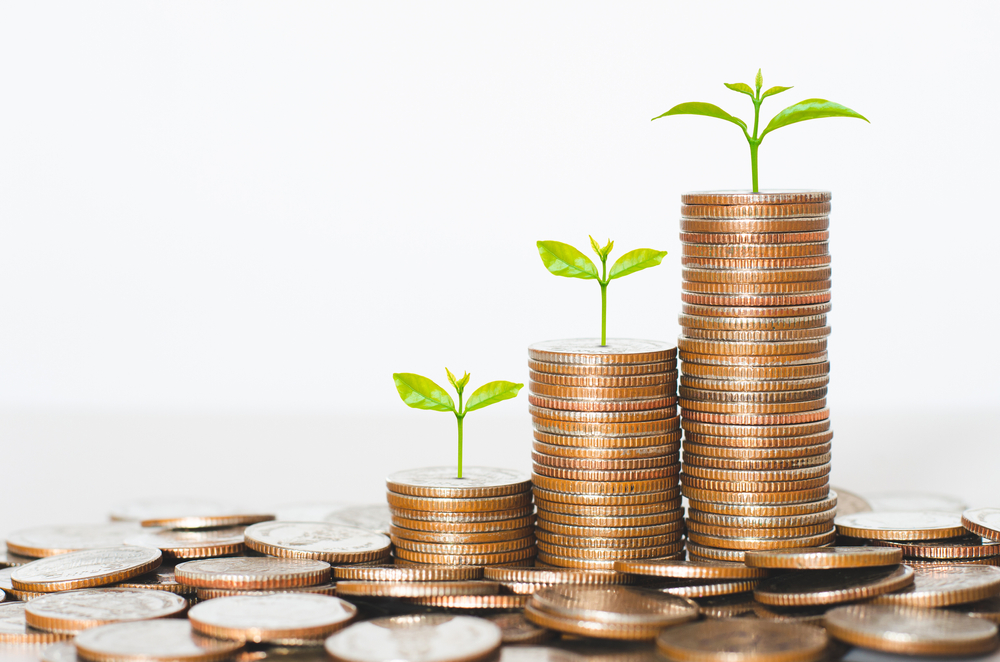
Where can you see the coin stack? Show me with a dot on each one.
(756, 292)
(606, 451)
(483, 518)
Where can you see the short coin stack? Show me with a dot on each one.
(756, 291)
(483, 518)
(606, 451)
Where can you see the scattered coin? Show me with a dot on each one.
(516, 629)
(160, 640)
(53, 540)
(252, 573)
(329, 588)
(194, 543)
(395, 573)
(709, 589)
(901, 525)
(716, 570)
(909, 631)
(968, 547)
(9, 559)
(988, 609)
(533, 575)
(418, 637)
(282, 617)
(87, 568)
(476, 482)
(944, 585)
(850, 503)
(818, 558)
(743, 640)
(826, 587)
(474, 602)
(983, 522)
(590, 351)
(8, 587)
(317, 540)
(422, 589)
(70, 612)
(800, 614)
(161, 579)
(14, 629)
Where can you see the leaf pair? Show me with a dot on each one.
(420, 392)
(564, 260)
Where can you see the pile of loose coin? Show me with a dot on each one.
(606, 451)
(756, 291)
(484, 517)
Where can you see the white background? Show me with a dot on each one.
(224, 225)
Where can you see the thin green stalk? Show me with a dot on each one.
(604, 300)
(755, 141)
(460, 415)
(754, 146)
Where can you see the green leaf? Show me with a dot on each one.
(421, 393)
(564, 260)
(810, 109)
(740, 87)
(463, 382)
(492, 393)
(593, 244)
(607, 249)
(759, 80)
(637, 260)
(777, 89)
(452, 378)
(706, 109)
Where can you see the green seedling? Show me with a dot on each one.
(810, 109)
(564, 260)
(422, 393)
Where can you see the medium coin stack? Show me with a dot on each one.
(606, 451)
(754, 372)
(483, 518)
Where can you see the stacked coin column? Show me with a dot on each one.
(754, 373)
(606, 451)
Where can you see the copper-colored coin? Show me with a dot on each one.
(600, 451)
(556, 561)
(774, 430)
(17, 594)
(758, 532)
(617, 543)
(475, 483)
(929, 563)
(757, 348)
(823, 558)
(754, 295)
(715, 570)
(317, 540)
(752, 640)
(749, 386)
(592, 381)
(745, 509)
(511, 502)
(791, 444)
(466, 559)
(711, 589)
(758, 419)
(738, 522)
(755, 251)
(761, 543)
(749, 336)
(751, 408)
(968, 547)
(421, 589)
(472, 549)
(486, 518)
(635, 532)
(743, 238)
(901, 525)
(602, 487)
(754, 225)
(393, 573)
(756, 312)
(252, 573)
(721, 607)
(911, 631)
(756, 198)
(604, 371)
(607, 475)
(983, 522)
(761, 486)
(750, 454)
(292, 618)
(531, 575)
(71, 612)
(473, 601)
(487, 537)
(749, 323)
(753, 276)
(544, 414)
(700, 553)
(988, 609)
(753, 361)
(516, 629)
(835, 586)
(85, 569)
(755, 211)
(810, 614)
(692, 460)
(610, 553)
(586, 464)
(586, 429)
(14, 629)
(608, 506)
(193, 543)
(666, 518)
(755, 300)
(504, 528)
(590, 351)
(736, 476)
(941, 586)
(632, 613)
(161, 579)
(556, 391)
(738, 373)
(754, 498)
(600, 405)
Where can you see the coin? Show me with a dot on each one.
(52, 540)
(983, 522)
(910, 631)
(371, 517)
(755, 225)
(710, 589)
(161, 639)
(466, 559)
(446, 548)
(288, 617)
(596, 381)
(205, 521)
(161, 579)
(701, 553)
(758, 454)
(755, 198)
(419, 589)
(589, 505)
(763, 361)
(756, 312)
(418, 637)
(501, 529)
(461, 538)
(646, 429)
(595, 405)
(590, 351)
(172, 508)
(666, 519)
(392, 573)
(838, 585)
(602, 393)
(693, 460)
(471, 601)
(316, 540)
(752, 410)
(755, 300)
(819, 558)
(988, 609)
(192, 544)
(557, 561)
(548, 416)
(739, 475)
(531, 575)
(607, 448)
(8, 587)
(252, 573)
(11, 560)
(756, 277)
(601, 464)
(504, 503)
(485, 518)
(757, 532)
(760, 543)
(516, 629)
(603, 487)
(746, 640)
(747, 387)
(608, 475)
(689, 569)
(213, 593)
(766, 509)
(755, 211)
(913, 501)
(757, 336)
(941, 586)
(901, 525)
(753, 498)
(70, 612)
(475, 483)
(754, 239)
(556, 455)
(725, 606)
(604, 370)
(15, 630)
(812, 614)
(695, 397)
(969, 547)
(741, 373)
(575, 543)
(633, 532)
(83, 569)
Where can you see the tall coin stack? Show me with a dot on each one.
(483, 518)
(756, 291)
(606, 451)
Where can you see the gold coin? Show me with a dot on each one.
(601, 405)
(823, 558)
(700, 554)
(624, 607)
(590, 351)
(796, 474)
(588, 464)
(472, 601)
(761, 543)
(647, 422)
(692, 321)
(715, 641)
(657, 391)
(755, 498)
(821, 504)
(751, 386)
(601, 487)
(911, 631)
(556, 561)
(546, 416)
(71, 612)
(757, 348)
(14, 628)
(836, 586)
(740, 454)
(516, 629)
(749, 336)
(777, 430)
(819, 223)
(756, 312)
(551, 500)
(763, 487)
(599, 506)
(466, 559)
(737, 522)
(487, 518)
(460, 538)
(501, 527)
(725, 606)
(193, 543)
(755, 300)
(552, 540)
(755, 250)
(511, 502)
(711, 589)
(716, 570)
(45, 541)
(759, 533)
(613, 554)
(693, 460)
(422, 589)
(755, 211)
(604, 371)
(753, 276)
(739, 373)
(279, 618)
(600, 451)
(790, 445)
(671, 518)
(393, 573)
(740, 238)
(591, 381)
(475, 483)
(213, 593)
(628, 444)
(758, 418)
(607, 475)
(755, 361)
(901, 525)
(945, 585)
(252, 573)
(755, 294)
(464, 549)
(762, 198)
(971, 547)
(634, 532)
(983, 522)
(551, 576)
(205, 522)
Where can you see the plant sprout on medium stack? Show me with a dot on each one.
(810, 109)
(422, 393)
(564, 260)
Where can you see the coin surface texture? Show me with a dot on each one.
(317, 540)
(589, 351)
(161, 639)
(416, 589)
(52, 540)
(623, 605)
(476, 482)
(910, 631)
(819, 558)
(983, 522)
(74, 611)
(252, 572)
(282, 617)
(826, 587)
(193, 543)
(14, 628)
(944, 585)
(416, 638)
(83, 569)
(395, 573)
(690, 569)
(743, 640)
(901, 525)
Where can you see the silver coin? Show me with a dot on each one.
(252, 572)
(614, 604)
(472, 478)
(915, 501)
(319, 540)
(903, 521)
(74, 611)
(161, 579)
(307, 511)
(985, 520)
(171, 508)
(52, 540)
(374, 517)
(14, 629)
(591, 351)
(911, 631)
(92, 566)
(175, 540)
(416, 638)
(161, 639)
(277, 617)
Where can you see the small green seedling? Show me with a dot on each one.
(564, 260)
(810, 109)
(422, 393)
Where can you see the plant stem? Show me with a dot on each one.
(460, 415)
(604, 300)
(754, 146)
